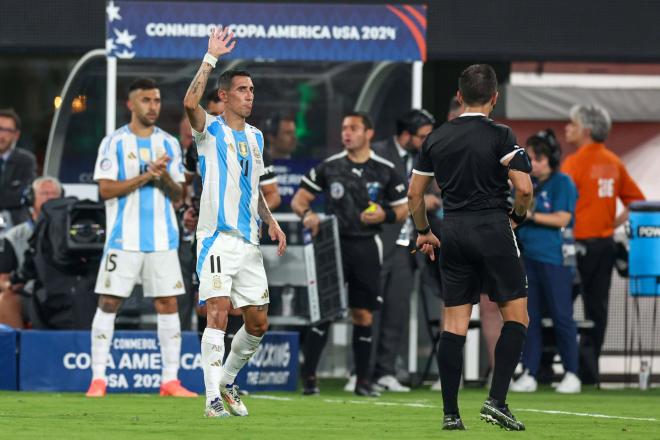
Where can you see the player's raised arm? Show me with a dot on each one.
(219, 44)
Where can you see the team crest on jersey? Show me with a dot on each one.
(243, 149)
(217, 283)
(336, 190)
(145, 154)
(256, 153)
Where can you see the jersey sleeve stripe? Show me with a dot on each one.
(423, 173)
(399, 202)
(312, 184)
(509, 155)
(380, 159)
(268, 181)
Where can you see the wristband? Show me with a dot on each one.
(208, 58)
(424, 231)
(390, 215)
(517, 218)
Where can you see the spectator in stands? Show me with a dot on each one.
(412, 128)
(549, 273)
(13, 304)
(18, 168)
(600, 178)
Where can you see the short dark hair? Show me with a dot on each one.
(454, 104)
(142, 84)
(11, 114)
(412, 120)
(226, 77)
(272, 122)
(366, 119)
(477, 84)
(212, 96)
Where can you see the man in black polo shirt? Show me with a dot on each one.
(362, 190)
(472, 158)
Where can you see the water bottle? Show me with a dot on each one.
(288, 292)
(568, 249)
(644, 375)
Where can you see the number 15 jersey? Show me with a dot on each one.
(231, 163)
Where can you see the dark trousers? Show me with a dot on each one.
(550, 285)
(392, 323)
(595, 268)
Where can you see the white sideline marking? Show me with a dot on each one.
(598, 416)
(421, 405)
(269, 397)
(364, 402)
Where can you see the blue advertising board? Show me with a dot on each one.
(8, 364)
(268, 31)
(61, 361)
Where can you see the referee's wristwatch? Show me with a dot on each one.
(426, 230)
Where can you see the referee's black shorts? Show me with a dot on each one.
(479, 254)
(362, 262)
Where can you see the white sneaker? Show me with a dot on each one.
(350, 385)
(216, 409)
(232, 398)
(437, 385)
(570, 384)
(389, 383)
(525, 384)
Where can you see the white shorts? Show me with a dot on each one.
(231, 266)
(158, 272)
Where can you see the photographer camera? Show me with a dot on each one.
(14, 296)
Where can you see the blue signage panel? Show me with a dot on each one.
(268, 31)
(8, 364)
(61, 361)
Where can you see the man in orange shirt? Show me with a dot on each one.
(601, 178)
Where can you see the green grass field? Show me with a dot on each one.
(334, 414)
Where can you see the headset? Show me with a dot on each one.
(27, 198)
(547, 137)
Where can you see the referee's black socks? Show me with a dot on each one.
(507, 354)
(362, 351)
(450, 362)
(315, 340)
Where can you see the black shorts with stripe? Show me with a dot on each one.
(362, 263)
(479, 254)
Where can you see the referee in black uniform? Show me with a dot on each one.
(472, 158)
(362, 190)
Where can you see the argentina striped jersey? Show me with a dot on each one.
(230, 163)
(143, 220)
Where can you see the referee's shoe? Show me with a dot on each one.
(452, 422)
(493, 413)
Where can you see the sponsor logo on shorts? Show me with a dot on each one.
(265, 294)
(107, 283)
(217, 283)
(178, 285)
